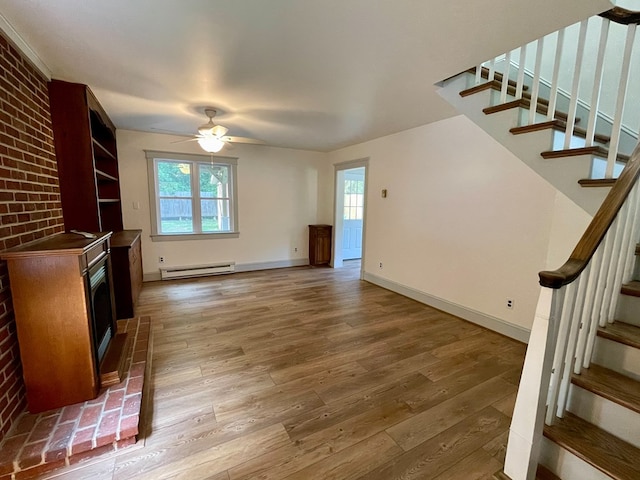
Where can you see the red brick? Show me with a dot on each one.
(135, 385)
(127, 442)
(108, 428)
(71, 413)
(87, 455)
(31, 455)
(90, 416)
(114, 400)
(83, 440)
(60, 442)
(129, 426)
(36, 472)
(132, 405)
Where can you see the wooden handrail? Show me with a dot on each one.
(622, 15)
(597, 229)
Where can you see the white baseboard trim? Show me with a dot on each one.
(246, 267)
(492, 323)
(251, 267)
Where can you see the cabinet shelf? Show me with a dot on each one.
(109, 200)
(102, 176)
(102, 151)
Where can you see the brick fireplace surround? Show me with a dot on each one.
(66, 436)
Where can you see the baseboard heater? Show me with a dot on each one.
(171, 273)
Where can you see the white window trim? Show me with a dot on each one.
(152, 155)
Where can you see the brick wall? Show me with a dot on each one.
(29, 199)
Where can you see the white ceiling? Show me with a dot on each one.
(306, 74)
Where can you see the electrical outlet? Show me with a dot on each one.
(509, 303)
(160, 259)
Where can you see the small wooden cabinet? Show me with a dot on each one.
(61, 288)
(126, 259)
(319, 244)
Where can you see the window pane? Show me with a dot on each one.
(214, 181)
(175, 216)
(215, 216)
(174, 179)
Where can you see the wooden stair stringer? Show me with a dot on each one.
(527, 148)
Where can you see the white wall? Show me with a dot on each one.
(277, 200)
(464, 220)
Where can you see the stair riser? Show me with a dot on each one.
(607, 415)
(628, 310)
(566, 465)
(617, 357)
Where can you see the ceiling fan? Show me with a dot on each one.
(212, 138)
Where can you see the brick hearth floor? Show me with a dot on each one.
(45, 441)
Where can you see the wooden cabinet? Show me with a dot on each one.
(126, 258)
(85, 141)
(319, 244)
(61, 291)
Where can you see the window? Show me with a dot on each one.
(353, 199)
(192, 196)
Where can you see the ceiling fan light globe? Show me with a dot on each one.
(211, 144)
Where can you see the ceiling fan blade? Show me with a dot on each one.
(187, 140)
(253, 141)
(219, 131)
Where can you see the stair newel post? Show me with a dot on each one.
(570, 354)
(597, 82)
(585, 319)
(525, 433)
(553, 94)
(564, 322)
(521, 71)
(575, 85)
(505, 77)
(620, 100)
(535, 88)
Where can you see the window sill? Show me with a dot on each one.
(193, 236)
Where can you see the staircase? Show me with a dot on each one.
(577, 415)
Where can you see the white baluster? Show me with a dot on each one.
(478, 74)
(595, 309)
(520, 82)
(492, 70)
(597, 82)
(626, 251)
(635, 235)
(622, 94)
(610, 289)
(505, 78)
(604, 273)
(573, 101)
(570, 354)
(535, 87)
(553, 94)
(587, 310)
(565, 313)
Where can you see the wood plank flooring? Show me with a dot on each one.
(313, 374)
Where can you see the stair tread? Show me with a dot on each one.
(622, 333)
(631, 288)
(610, 385)
(523, 103)
(597, 182)
(595, 150)
(606, 452)
(558, 125)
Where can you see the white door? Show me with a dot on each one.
(353, 213)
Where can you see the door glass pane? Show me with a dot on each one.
(176, 215)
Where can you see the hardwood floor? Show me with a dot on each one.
(313, 374)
